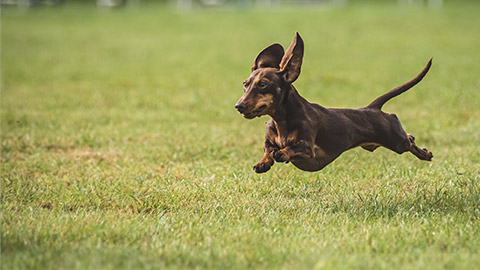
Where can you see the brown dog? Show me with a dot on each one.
(307, 134)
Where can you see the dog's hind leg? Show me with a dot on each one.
(421, 153)
(399, 141)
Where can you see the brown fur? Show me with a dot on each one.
(307, 134)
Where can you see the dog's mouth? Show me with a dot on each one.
(255, 113)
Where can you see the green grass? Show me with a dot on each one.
(120, 146)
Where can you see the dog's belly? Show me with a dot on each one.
(318, 162)
(310, 165)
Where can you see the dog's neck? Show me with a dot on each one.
(288, 109)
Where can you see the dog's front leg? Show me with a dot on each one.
(267, 161)
(299, 150)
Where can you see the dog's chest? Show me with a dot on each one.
(279, 142)
(283, 140)
(280, 134)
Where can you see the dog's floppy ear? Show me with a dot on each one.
(292, 60)
(269, 57)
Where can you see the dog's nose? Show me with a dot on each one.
(240, 106)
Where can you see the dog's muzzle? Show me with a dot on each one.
(242, 108)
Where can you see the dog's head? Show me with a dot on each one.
(273, 72)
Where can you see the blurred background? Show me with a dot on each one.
(186, 5)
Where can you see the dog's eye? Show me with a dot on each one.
(245, 83)
(262, 84)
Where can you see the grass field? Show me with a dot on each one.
(121, 148)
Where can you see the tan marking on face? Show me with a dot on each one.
(264, 99)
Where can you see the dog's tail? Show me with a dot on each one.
(378, 102)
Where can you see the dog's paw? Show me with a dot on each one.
(280, 156)
(428, 154)
(262, 167)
